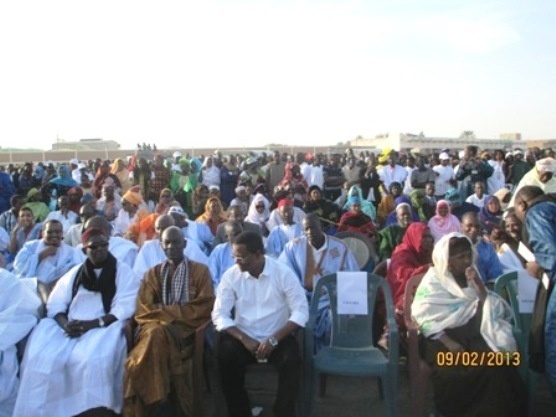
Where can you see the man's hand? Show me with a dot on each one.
(264, 350)
(47, 251)
(533, 269)
(77, 328)
(250, 344)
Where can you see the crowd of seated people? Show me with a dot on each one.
(89, 232)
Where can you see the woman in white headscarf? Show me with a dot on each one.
(467, 331)
(259, 213)
(210, 173)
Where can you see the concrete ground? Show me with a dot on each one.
(354, 397)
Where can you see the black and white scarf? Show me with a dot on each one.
(105, 283)
(175, 287)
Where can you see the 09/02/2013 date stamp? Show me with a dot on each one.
(488, 359)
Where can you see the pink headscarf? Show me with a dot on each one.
(442, 225)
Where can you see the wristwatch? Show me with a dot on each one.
(273, 341)
(101, 322)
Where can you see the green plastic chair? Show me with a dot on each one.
(506, 286)
(351, 351)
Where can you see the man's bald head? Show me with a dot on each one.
(162, 223)
(99, 222)
(523, 199)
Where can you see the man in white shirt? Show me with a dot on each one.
(152, 253)
(75, 171)
(73, 236)
(65, 216)
(269, 305)
(392, 172)
(444, 173)
(317, 173)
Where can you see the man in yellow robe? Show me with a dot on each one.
(175, 298)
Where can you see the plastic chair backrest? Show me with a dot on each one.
(352, 331)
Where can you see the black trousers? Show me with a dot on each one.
(232, 360)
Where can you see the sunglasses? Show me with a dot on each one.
(95, 246)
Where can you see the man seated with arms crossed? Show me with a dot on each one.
(175, 298)
(269, 305)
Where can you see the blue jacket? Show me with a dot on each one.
(540, 222)
(488, 263)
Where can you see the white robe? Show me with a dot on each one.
(64, 376)
(220, 260)
(27, 265)
(67, 221)
(18, 309)
(152, 254)
(275, 219)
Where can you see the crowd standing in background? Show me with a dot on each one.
(57, 220)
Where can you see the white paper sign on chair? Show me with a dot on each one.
(352, 293)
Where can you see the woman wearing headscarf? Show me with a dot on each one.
(355, 220)
(259, 213)
(142, 175)
(210, 172)
(213, 214)
(387, 203)
(119, 170)
(183, 184)
(490, 214)
(293, 178)
(59, 185)
(411, 257)
(165, 201)
(103, 173)
(420, 205)
(458, 316)
(39, 209)
(132, 212)
(444, 221)
(327, 212)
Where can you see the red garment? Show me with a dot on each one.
(357, 222)
(406, 261)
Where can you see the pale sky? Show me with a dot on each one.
(248, 73)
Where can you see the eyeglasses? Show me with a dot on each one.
(242, 260)
(95, 246)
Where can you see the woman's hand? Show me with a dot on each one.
(475, 282)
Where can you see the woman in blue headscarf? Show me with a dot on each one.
(59, 186)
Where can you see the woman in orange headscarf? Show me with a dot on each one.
(213, 215)
(119, 170)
